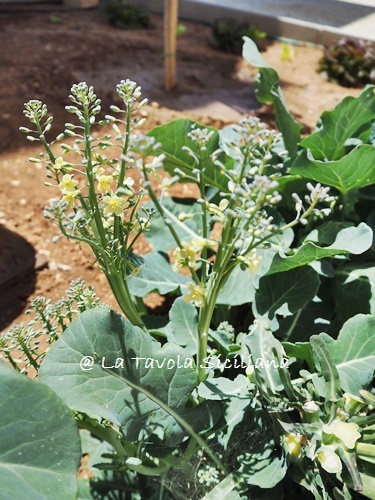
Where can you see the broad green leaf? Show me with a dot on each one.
(285, 293)
(234, 412)
(261, 462)
(160, 236)
(40, 449)
(302, 473)
(299, 350)
(353, 171)
(238, 289)
(201, 418)
(344, 122)
(327, 232)
(223, 340)
(223, 388)
(228, 489)
(156, 275)
(354, 290)
(263, 472)
(81, 368)
(262, 345)
(313, 319)
(267, 89)
(327, 368)
(355, 240)
(354, 352)
(184, 325)
(173, 138)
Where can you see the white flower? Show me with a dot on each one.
(346, 432)
(329, 461)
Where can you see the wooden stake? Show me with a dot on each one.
(170, 35)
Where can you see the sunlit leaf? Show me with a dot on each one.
(40, 449)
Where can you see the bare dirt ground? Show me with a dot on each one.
(43, 52)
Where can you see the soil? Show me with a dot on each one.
(45, 50)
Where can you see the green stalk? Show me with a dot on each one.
(169, 226)
(92, 194)
(125, 148)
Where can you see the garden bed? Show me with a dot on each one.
(45, 52)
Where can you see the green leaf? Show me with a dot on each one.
(353, 171)
(227, 488)
(327, 368)
(299, 350)
(262, 463)
(354, 352)
(355, 240)
(184, 325)
(368, 486)
(233, 414)
(285, 293)
(128, 396)
(40, 448)
(173, 137)
(160, 236)
(156, 275)
(267, 89)
(262, 346)
(238, 289)
(327, 232)
(354, 291)
(223, 388)
(344, 122)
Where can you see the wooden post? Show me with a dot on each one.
(170, 35)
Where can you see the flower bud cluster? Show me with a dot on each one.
(128, 91)
(35, 111)
(85, 100)
(318, 194)
(200, 137)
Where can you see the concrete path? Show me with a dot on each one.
(316, 21)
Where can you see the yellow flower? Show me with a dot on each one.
(104, 183)
(114, 205)
(59, 163)
(218, 210)
(329, 461)
(293, 443)
(199, 243)
(68, 184)
(346, 432)
(196, 295)
(254, 261)
(185, 256)
(69, 196)
(98, 170)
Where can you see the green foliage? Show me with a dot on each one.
(40, 447)
(21, 344)
(227, 34)
(125, 16)
(349, 62)
(259, 384)
(267, 89)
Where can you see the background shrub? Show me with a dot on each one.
(349, 62)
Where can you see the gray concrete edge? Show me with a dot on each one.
(283, 27)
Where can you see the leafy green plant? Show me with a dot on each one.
(121, 14)
(227, 34)
(257, 378)
(350, 62)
